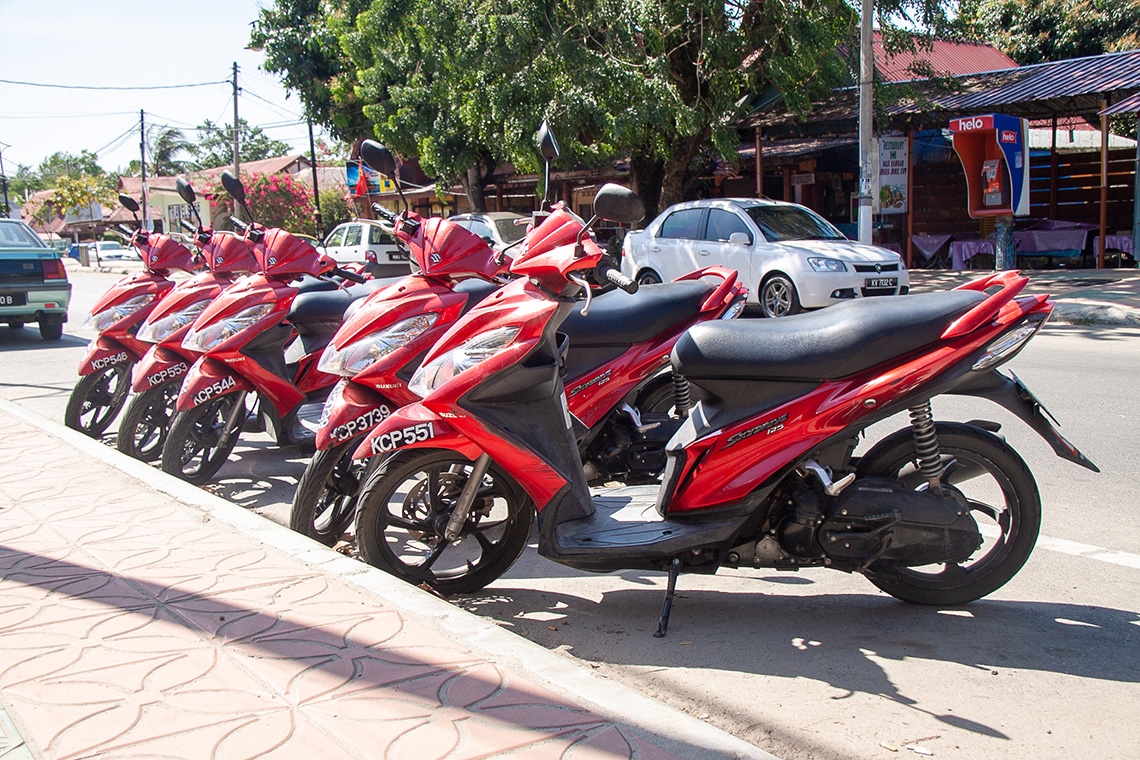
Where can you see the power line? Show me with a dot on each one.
(91, 87)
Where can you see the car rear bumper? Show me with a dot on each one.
(34, 300)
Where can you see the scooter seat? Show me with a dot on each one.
(619, 319)
(835, 342)
(321, 312)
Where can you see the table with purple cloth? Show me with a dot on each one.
(1051, 242)
(1114, 242)
(928, 245)
(962, 251)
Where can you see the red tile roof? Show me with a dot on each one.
(953, 58)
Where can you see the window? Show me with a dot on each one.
(18, 235)
(509, 231)
(476, 227)
(377, 236)
(721, 224)
(352, 235)
(780, 223)
(682, 224)
(335, 238)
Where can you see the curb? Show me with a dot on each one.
(673, 729)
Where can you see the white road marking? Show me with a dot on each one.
(1075, 548)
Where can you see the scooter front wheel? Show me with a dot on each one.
(404, 509)
(146, 422)
(97, 399)
(201, 438)
(993, 483)
(325, 502)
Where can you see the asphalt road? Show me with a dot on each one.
(818, 664)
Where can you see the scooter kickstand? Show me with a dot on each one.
(674, 571)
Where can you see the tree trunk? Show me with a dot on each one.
(472, 182)
(677, 175)
(645, 179)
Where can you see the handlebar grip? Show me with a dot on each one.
(353, 276)
(187, 226)
(384, 212)
(242, 226)
(619, 279)
(126, 230)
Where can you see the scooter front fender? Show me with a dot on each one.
(106, 352)
(208, 379)
(351, 409)
(415, 426)
(159, 365)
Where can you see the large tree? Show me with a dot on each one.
(1036, 31)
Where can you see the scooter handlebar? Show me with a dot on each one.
(353, 276)
(617, 278)
(188, 226)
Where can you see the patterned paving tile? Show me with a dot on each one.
(132, 626)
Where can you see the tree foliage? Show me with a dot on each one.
(1036, 31)
(215, 144)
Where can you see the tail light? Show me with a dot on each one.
(54, 269)
(370, 257)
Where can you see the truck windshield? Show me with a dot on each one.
(780, 223)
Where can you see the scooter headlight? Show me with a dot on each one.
(161, 329)
(103, 319)
(444, 367)
(208, 336)
(354, 357)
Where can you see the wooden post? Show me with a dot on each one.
(910, 199)
(1103, 184)
(759, 166)
(1053, 174)
(788, 184)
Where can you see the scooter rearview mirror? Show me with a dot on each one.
(129, 203)
(378, 157)
(233, 186)
(618, 204)
(548, 149)
(185, 192)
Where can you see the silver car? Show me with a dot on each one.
(788, 257)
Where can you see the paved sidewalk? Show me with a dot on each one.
(141, 617)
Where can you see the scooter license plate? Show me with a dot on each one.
(882, 282)
(13, 299)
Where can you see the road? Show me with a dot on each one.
(818, 664)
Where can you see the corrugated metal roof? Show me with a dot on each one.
(1073, 87)
(947, 58)
(1128, 105)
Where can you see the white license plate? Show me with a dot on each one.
(883, 282)
(13, 299)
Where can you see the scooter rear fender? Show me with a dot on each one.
(415, 426)
(159, 365)
(207, 379)
(106, 352)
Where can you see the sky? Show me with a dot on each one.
(130, 43)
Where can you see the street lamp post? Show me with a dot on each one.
(4, 181)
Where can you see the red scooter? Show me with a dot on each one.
(762, 473)
(105, 371)
(378, 347)
(263, 336)
(158, 375)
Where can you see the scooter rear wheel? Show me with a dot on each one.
(97, 399)
(405, 506)
(1001, 495)
(199, 443)
(146, 422)
(325, 502)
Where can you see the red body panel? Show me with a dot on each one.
(228, 254)
(162, 253)
(207, 379)
(351, 409)
(444, 249)
(283, 254)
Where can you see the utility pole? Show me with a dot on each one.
(142, 153)
(4, 180)
(316, 194)
(866, 109)
(237, 132)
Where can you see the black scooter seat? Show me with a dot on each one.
(619, 319)
(321, 312)
(835, 342)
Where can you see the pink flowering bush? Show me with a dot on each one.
(276, 200)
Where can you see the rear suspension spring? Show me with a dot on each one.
(926, 445)
(681, 400)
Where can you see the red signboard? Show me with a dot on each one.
(971, 123)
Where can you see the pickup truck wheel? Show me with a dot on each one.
(51, 328)
(648, 277)
(778, 297)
